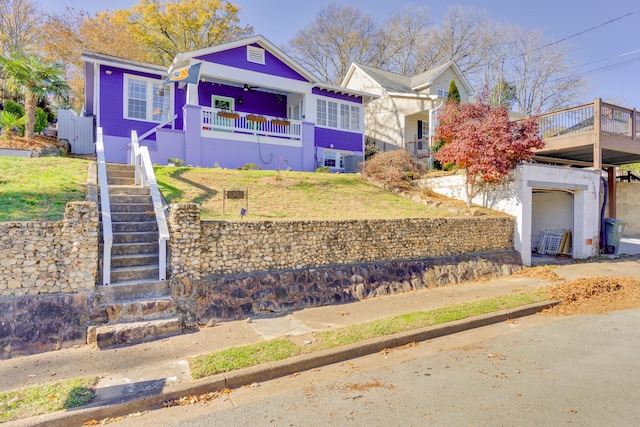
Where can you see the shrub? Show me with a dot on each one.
(397, 168)
(323, 169)
(249, 167)
(42, 120)
(17, 111)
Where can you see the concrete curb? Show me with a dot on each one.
(268, 371)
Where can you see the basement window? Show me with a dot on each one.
(255, 55)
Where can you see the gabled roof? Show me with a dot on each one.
(391, 82)
(183, 59)
(104, 59)
(395, 83)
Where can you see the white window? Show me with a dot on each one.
(355, 117)
(222, 102)
(338, 115)
(333, 159)
(332, 114)
(322, 112)
(443, 93)
(146, 99)
(345, 116)
(255, 55)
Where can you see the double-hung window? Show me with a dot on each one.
(333, 159)
(146, 99)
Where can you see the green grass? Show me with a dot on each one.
(286, 195)
(242, 357)
(40, 188)
(253, 354)
(42, 399)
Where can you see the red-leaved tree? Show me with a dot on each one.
(482, 140)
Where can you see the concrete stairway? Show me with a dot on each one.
(135, 306)
(135, 313)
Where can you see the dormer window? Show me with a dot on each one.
(255, 55)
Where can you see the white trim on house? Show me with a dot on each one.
(325, 119)
(128, 64)
(149, 98)
(182, 59)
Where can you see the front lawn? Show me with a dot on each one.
(40, 188)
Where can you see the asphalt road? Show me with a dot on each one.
(539, 371)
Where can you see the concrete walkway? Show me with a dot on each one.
(145, 374)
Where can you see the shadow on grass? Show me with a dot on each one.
(79, 396)
(208, 192)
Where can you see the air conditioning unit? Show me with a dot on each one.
(352, 163)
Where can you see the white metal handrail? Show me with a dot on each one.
(161, 125)
(105, 207)
(145, 177)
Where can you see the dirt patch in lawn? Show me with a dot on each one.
(38, 141)
(593, 295)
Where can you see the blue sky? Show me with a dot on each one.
(609, 54)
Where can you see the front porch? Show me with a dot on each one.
(218, 123)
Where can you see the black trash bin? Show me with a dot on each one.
(613, 232)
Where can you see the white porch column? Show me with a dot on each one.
(192, 94)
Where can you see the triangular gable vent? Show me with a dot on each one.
(255, 55)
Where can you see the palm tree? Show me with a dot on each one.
(26, 75)
(8, 122)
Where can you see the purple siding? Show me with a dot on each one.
(339, 96)
(253, 101)
(237, 58)
(341, 140)
(112, 103)
(235, 154)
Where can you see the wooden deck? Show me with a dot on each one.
(592, 135)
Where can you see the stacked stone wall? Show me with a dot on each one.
(228, 270)
(51, 256)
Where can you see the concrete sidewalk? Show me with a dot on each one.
(145, 374)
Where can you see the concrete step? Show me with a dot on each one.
(134, 260)
(128, 189)
(134, 248)
(130, 198)
(140, 310)
(141, 272)
(136, 237)
(120, 167)
(147, 216)
(125, 227)
(132, 333)
(131, 207)
(133, 290)
(116, 180)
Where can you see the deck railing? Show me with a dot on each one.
(105, 208)
(613, 120)
(247, 123)
(145, 177)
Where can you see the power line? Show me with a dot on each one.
(578, 33)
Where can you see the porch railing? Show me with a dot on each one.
(613, 120)
(105, 208)
(247, 123)
(145, 177)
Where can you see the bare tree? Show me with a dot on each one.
(19, 25)
(404, 41)
(464, 36)
(541, 75)
(337, 37)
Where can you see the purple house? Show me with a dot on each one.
(244, 102)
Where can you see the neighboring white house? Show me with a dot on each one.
(403, 115)
(541, 197)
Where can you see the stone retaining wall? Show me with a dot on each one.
(226, 270)
(50, 256)
(237, 247)
(33, 324)
(236, 296)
